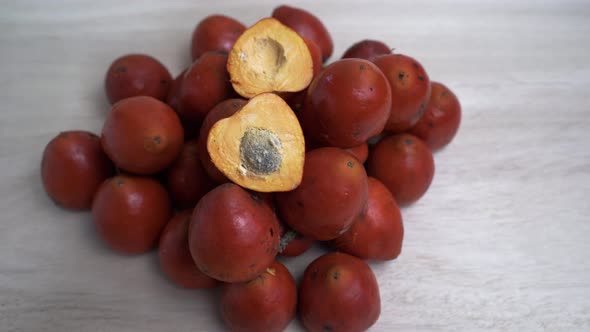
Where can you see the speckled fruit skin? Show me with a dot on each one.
(266, 303)
(186, 178)
(130, 212)
(367, 49)
(142, 135)
(73, 167)
(205, 84)
(223, 110)
(234, 235)
(331, 195)
(136, 75)
(377, 233)
(175, 257)
(339, 292)
(440, 122)
(410, 90)
(307, 26)
(346, 104)
(404, 164)
(215, 33)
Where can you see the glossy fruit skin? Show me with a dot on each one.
(266, 303)
(73, 167)
(215, 33)
(136, 75)
(361, 152)
(440, 122)
(191, 128)
(142, 135)
(316, 55)
(186, 178)
(234, 235)
(307, 26)
(205, 84)
(223, 110)
(331, 195)
(130, 212)
(410, 90)
(367, 49)
(175, 257)
(378, 233)
(346, 104)
(339, 292)
(404, 164)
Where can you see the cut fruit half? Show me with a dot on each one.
(269, 57)
(261, 147)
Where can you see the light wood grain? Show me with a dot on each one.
(499, 243)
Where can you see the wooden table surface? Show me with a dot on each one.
(499, 243)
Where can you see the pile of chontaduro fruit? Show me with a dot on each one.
(261, 152)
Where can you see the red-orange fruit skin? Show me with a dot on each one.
(347, 103)
(215, 33)
(367, 49)
(205, 84)
(234, 235)
(331, 195)
(266, 303)
(404, 164)
(410, 90)
(142, 135)
(361, 152)
(130, 212)
(440, 122)
(339, 292)
(72, 168)
(136, 75)
(186, 178)
(175, 258)
(307, 26)
(378, 233)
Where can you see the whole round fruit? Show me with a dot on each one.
(142, 135)
(404, 164)
(265, 303)
(339, 292)
(331, 195)
(234, 235)
(130, 212)
(73, 167)
(137, 75)
(346, 104)
(440, 122)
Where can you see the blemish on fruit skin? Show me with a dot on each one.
(314, 273)
(430, 124)
(421, 78)
(157, 139)
(401, 75)
(362, 67)
(327, 327)
(350, 164)
(121, 69)
(335, 275)
(119, 182)
(409, 141)
(415, 65)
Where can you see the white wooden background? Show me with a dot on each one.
(501, 242)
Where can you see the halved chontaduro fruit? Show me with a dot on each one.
(261, 147)
(269, 57)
